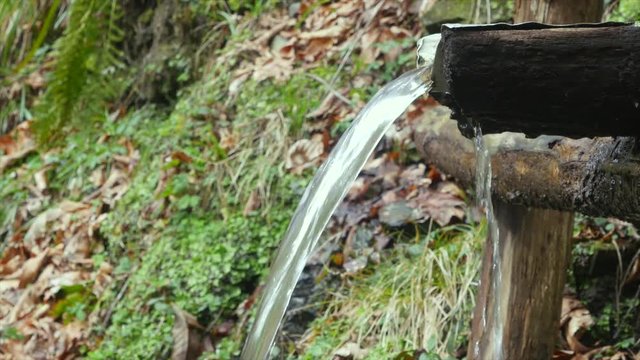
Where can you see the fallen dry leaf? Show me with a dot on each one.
(253, 203)
(354, 266)
(35, 80)
(330, 32)
(38, 227)
(397, 214)
(303, 154)
(275, 67)
(16, 145)
(8, 160)
(358, 189)
(383, 168)
(7, 145)
(326, 107)
(575, 320)
(102, 279)
(187, 344)
(182, 157)
(40, 178)
(97, 177)
(350, 350)
(236, 84)
(228, 140)
(31, 268)
(440, 206)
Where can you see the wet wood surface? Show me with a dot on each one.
(520, 319)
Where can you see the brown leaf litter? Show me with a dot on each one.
(50, 251)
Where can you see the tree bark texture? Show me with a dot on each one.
(531, 280)
(558, 12)
(597, 177)
(570, 81)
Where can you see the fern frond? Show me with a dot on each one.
(86, 56)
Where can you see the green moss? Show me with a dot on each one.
(266, 97)
(205, 267)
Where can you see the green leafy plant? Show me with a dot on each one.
(19, 22)
(11, 333)
(627, 10)
(74, 302)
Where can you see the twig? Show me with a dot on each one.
(619, 285)
(331, 90)
(610, 9)
(488, 5)
(112, 307)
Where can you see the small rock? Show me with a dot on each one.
(354, 266)
(396, 214)
(294, 9)
(350, 350)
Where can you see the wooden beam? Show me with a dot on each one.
(597, 177)
(537, 79)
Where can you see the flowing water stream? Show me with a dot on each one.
(483, 198)
(329, 185)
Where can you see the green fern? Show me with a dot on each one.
(86, 58)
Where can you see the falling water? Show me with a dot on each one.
(483, 191)
(322, 196)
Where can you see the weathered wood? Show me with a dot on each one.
(518, 305)
(529, 295)
(558, 12)
(597, 177)
(575, 81)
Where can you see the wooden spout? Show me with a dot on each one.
(571, 80)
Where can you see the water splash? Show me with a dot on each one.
(483, 198)
(322, 196)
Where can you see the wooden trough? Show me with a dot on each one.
(573, 80)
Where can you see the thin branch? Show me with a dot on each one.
(331, 90)
(123, 290)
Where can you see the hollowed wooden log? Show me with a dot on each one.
(576, 81)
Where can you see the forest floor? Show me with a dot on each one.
(146, 235)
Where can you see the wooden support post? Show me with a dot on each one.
(558, 12)
(534, 253)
